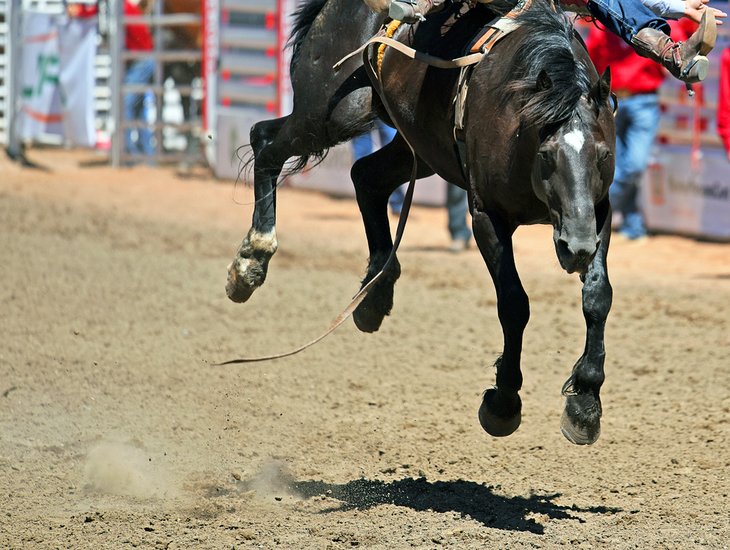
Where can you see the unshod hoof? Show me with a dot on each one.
(500, 416)
(244, 276)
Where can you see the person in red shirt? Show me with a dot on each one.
(138, 38)
(636, 81)
(723, 101)
(82, 11)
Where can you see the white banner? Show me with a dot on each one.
(57, 78)
(78, 50)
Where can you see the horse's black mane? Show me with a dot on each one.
(547, 46)
(303, 18)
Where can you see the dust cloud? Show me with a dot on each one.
(123, 469)
(272, 480)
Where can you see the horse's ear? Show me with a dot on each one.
(602, 88)
(543, 81)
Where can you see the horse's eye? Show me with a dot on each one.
(604, 153)
(545, 158)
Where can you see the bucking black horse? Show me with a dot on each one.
(538, 144)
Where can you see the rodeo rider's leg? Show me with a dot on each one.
(648, 34)
(412, 11)
(629, 19)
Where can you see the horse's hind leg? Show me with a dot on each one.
(501, 410)
(581, 422)
(247, 272)
(376, 177)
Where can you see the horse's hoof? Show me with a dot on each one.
(244, 276)
(581, 420)
(367, 320)
(369, 315)
(498, 416)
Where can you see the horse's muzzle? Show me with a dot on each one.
(575, 255)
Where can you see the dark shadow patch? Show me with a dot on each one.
(466, 498)
(94, 162)
(20, 158)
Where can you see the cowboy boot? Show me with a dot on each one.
(685, 60)
(412, 11)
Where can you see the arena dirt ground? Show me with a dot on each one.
(117, 431)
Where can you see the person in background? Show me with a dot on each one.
(82, 10)
(635, 80)
(362, 146)
(457, 207)
(456, 198)
(723, 102)
(138, 38)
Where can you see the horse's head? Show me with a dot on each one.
(573, 171)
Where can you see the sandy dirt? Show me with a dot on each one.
(117, 431)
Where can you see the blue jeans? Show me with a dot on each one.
(457, 206)
(140, 72)
(626, 17)
(362, 146)
(637, 122)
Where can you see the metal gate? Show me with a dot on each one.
(246, 73)
(176, 138)
(5, 6)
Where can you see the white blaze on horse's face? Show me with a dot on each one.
(575, 139)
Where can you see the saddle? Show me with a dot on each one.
(481, 43)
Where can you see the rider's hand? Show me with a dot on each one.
(695, 8)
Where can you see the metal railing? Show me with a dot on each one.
(161, 126)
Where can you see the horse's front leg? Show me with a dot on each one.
(501, 410)
(375, 177)
(581, 421)
(248, 269)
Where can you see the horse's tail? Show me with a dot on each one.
(245, 156)
(303, 18)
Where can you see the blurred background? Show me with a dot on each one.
(182, 81)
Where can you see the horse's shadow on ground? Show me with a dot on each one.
(466, 498)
